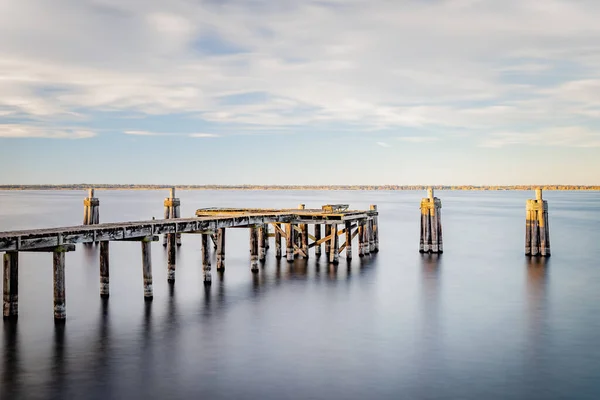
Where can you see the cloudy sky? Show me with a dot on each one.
(300, 92)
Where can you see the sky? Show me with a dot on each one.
(452, 92)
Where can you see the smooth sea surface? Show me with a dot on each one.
(482, 321)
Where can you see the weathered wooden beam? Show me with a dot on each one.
(278, 233)
(262, 251)
(316, 239)
(60, 311)
(328, 240)
(104, 270)
(304, 240)
(64, 248)
(254, 249)
(171, 244)
(361, 239)
(348, 244)
(220, 249)
(206, 260)
(10, 305)
(289, 242)
(334, 253)
(147, 269)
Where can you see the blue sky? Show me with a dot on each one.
(306, 92)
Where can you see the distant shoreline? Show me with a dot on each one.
(299, 187)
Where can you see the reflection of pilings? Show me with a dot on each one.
(58, 361)
(103, 351)
(537, 277)
(11, 368)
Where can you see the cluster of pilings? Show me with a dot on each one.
(431, 224)
(172, 210)
(91, 209)
(537, 230)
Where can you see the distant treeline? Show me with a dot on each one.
(85, 186)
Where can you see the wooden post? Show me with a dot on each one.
(171, 257)
(367, 236)
(371, 235)
(328, 242)
(289, 242)
(334, 254)
(10, 307)
(254, 249)
(537, 232)
(317, 238)
(104, 269)
(172, 210)
(147, 268)
(431, 224)
(348, 240)
(305, 240)
(91, 209)
(266, 233)
(221, 249)
(277, 242)
(262, 251)
(60, 312)
(206, 259)
(375, 248)
(361, 238)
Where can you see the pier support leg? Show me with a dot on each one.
(289, 242)
(367, 236)
(266, 233)
(10, 307)
(171, 244)
(254, 249)
(348, 240)
(262, 251)
(147, 269)
(375, 248)
(361, 238)
(104, 270)
(277, 243)
(206, 259)
(60, 312)
(221, 249)
(334, 254)
(305, 240)
(328, 242)
(317, 238)
(371, 236)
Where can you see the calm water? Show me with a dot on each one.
(480, 322)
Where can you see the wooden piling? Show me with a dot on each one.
(348, 240)
(371, 235)
(277, 242)
(104, 269)
(220, 249)
(266, 233)
(317, 238)
(147, 269)
(172, 210)
(430, 240)
(305, 240)
(262, 251)
(206, 259)
(361, 239)
(334, 251)
(289, 242)
(367, 238)
(10, 307)
(171, 244)
(537, 232)
(91, 209)
(60, 312)
(328, 242)
(254, 249)
(375, 249)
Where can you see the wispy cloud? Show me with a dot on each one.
(302, 66)
(383, 144)
(17, 131)
(203, 135)
(418, 139)
(571, 136)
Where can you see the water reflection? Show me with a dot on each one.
(11, 368)
(537, 284)
(59, 361)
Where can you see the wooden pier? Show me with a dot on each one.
(212, 223)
